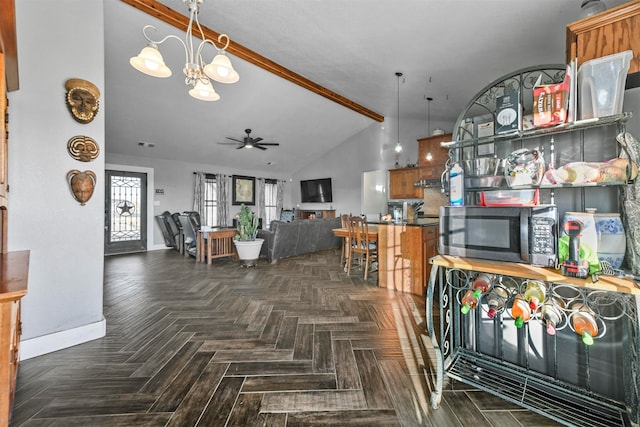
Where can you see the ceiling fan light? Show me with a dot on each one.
(221, 70)
(150, 62)
(204, 91)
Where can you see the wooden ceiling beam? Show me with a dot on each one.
(171, 17)
(8, 43)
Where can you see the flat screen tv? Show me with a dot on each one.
(316, 190)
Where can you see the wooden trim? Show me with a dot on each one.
(8, 43)
(181, 22)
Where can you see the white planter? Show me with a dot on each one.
(249, 251)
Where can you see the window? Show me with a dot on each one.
(210, 201)
(270, 198)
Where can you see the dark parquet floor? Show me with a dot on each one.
(297, 343)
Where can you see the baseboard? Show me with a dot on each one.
(57, 341)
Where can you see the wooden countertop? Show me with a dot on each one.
(605, 283)
(14, 272)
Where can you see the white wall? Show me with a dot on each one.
(372, 149)
(56, 41)
(176, 179)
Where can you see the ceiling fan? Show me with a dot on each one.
(248, 142)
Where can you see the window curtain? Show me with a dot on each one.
(260, 199)
(198, 193)
(222, 182)
(279, 197)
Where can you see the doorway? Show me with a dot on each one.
(125, 212)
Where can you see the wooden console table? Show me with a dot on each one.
(14, 270)
(216, 243)
(317, 213)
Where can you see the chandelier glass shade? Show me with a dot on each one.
(198, 74)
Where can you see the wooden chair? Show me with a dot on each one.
(360, 245)
(344, 255)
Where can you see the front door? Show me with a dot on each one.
(125, 212)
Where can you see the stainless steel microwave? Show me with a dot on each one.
(527, 234)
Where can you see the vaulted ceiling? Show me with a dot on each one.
(447, 50)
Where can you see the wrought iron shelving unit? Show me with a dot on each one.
(526, 366)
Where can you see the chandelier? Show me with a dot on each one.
(197, 72)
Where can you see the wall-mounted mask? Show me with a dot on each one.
(83, 148)
(82, 184)
(82, 99)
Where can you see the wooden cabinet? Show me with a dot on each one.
(14, 268)
(317, 213)
(403, 256)
(439, 155)
(401, 184)
(612, 31)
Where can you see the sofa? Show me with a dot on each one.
(288, 239)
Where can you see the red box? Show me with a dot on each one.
(551, 103)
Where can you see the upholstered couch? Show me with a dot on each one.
(287, 239)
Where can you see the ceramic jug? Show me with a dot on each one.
(611, 238)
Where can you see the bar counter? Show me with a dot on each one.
(404, 250)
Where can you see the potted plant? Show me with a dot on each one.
(247, 245)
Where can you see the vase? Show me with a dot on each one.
(249, 251)
(612, 242)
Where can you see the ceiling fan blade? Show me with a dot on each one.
(259, 146)
(257, 140)
(237, 140)
(242, 146)
(269, 143)
(227, 143)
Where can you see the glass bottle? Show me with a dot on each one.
(497, 298)
(480, 285)
(584, 322)
(552, 314)
(535, 293)
(520, 311)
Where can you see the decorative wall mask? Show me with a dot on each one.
(82, 99)
(82, 184)
(83, 148)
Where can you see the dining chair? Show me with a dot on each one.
(344, 254)
(360, 245)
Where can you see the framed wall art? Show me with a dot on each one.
(244, 190)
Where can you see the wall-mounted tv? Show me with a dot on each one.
(316, 190)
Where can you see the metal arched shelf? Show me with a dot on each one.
(523, 80)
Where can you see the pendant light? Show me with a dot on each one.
(398, 147)
(429, 156)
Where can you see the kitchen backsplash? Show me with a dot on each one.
(433, 199)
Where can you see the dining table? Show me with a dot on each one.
(216, 242)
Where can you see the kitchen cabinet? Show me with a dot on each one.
(14, 268)
(403, 256)
(612, 31)
(556, 375)
(439, 154)
(401, 184)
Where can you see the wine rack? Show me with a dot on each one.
(556, 375)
